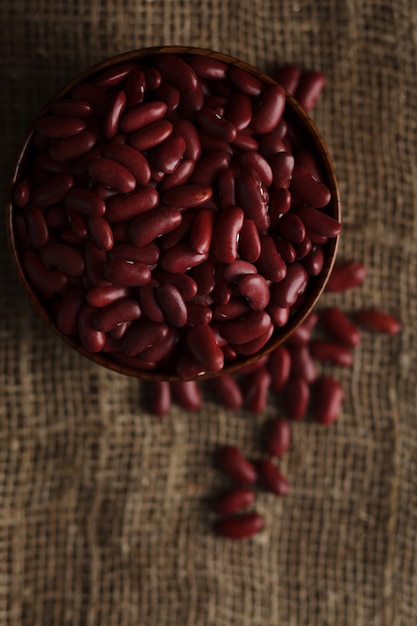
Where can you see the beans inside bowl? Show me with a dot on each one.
(173, 213)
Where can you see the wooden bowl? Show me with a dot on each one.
(312, 140)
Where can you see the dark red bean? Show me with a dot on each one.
(255, 289)
(37, 228)
(288, 77)
(85, 201)
(227, 391)
(169, 94)
(249, 327)
(115, 313)
(270, 109)
(319, 222)
(279, 367)
(234, 309)
(296, 396)
(218, 127)
(111, 174)
(252, 196)
(56, 126)
(328, 400)
(270, 262)
(278, 315)
(374, 319)
(92, 340)
(245, 82)
(226, 233)
(181, 258)
(187, 394)
(125, 273)
(185, 284)
(308, 189)
(176, 71)
(142, 335)
(291, 227)
(286, 292)
(203, 347)
(279, 205)
(52, 190)
(142, 115)
(67, 310)
(161, 398)
(45, 279)
(277, 437)
(314, 261)
(240, 526)
(99, 297)
(168, 155)
(309, 87)
(71, 108)
(233, 501)
(152, 224)
(172, 305)
(186, 129)
(148, 254)
(71, 148)
(209, 167)
(271, 478)
(331, 352)
(122, 208)
(339, 326)
(63, 257)
(151, 135)
(207, 67)
(94, 260)
(233, 272)
(135, 87)
(256, 390)
(112, 115)
(231, 461)
(115, 75)
(101, 233)
(252, 347)
(302, 363)
(249, 245)
(346, 275)
(187, 196)
(282, 166)
(163, 348)
(131, 159)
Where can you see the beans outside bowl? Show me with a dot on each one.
(173, 214)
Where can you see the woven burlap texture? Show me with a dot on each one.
(104, 518)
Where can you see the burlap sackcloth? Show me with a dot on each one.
(103, 512)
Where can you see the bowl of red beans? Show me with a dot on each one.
(173, 214)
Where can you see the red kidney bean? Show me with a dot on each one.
(339, 326)
(190, 102)
(132, 362)
(181, 258)
(291, 228)
(186, 129)
(209, 167)
(346, 275)
(239, 110)
(279, 205)
(249, 327)
(302, 334)
(278, 315)
(272, 143)
(115, 313)
(21, 193)
(63, 257)
(226, 184)
(149, 304)
(314, 261)
(37, 228)
(209, 143)
(270, 263)
(270, 109)
(218, 127)
(231, 461)
(245, 82)
(179, 177)
(71, 108)
(67, 310)
(176, 71)
(328, 400)
(203, 347)
(135, 87)
(198, 314)
(252, 347)
(286, 250)
(227, 391)
(187, 394)
(296, 396)
(303, 248)
(131, 159)
(101, 233)
(161, 398)
(168, 155)
(207, 67)
(153, 77)
(374, 319)
(152, 224)
(94, 260)
(185, 284)
(256, 390)
(115, 107)
(57, 126)
(151, 135)
(331, 352)
(288, 77)
(202, 231)
(240, 526)
(116, 334)
(99, 297)
(257, 162)
(245, 141)
(302, 364)
(308, 89)
(125, 273)
(85, 201)
(226, 233)
(142, 335)
(319, 222)
(78, 223)
(255, 289)
(142, 115)
(249, 245)
(187, 367)
(92, 340)
(123, 208)
(169, 94)
(79, 167)
(271, 478)
(45, 279)
(172, 305)
(233, 501)
(282, 166)
(286, 292)
(163, 348)
(232, 310)
(70, 148)
(308, 189)
(279, 367)
(148, 254)
(204, 276)
(115, 75)
(112, 174)
(307, 160)
(52, 190)
(253, 197)
(277, 437)
(187, 196)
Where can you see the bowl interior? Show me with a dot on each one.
(312, 140)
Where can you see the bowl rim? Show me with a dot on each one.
(321, 151)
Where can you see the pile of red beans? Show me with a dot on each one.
(169, 215)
